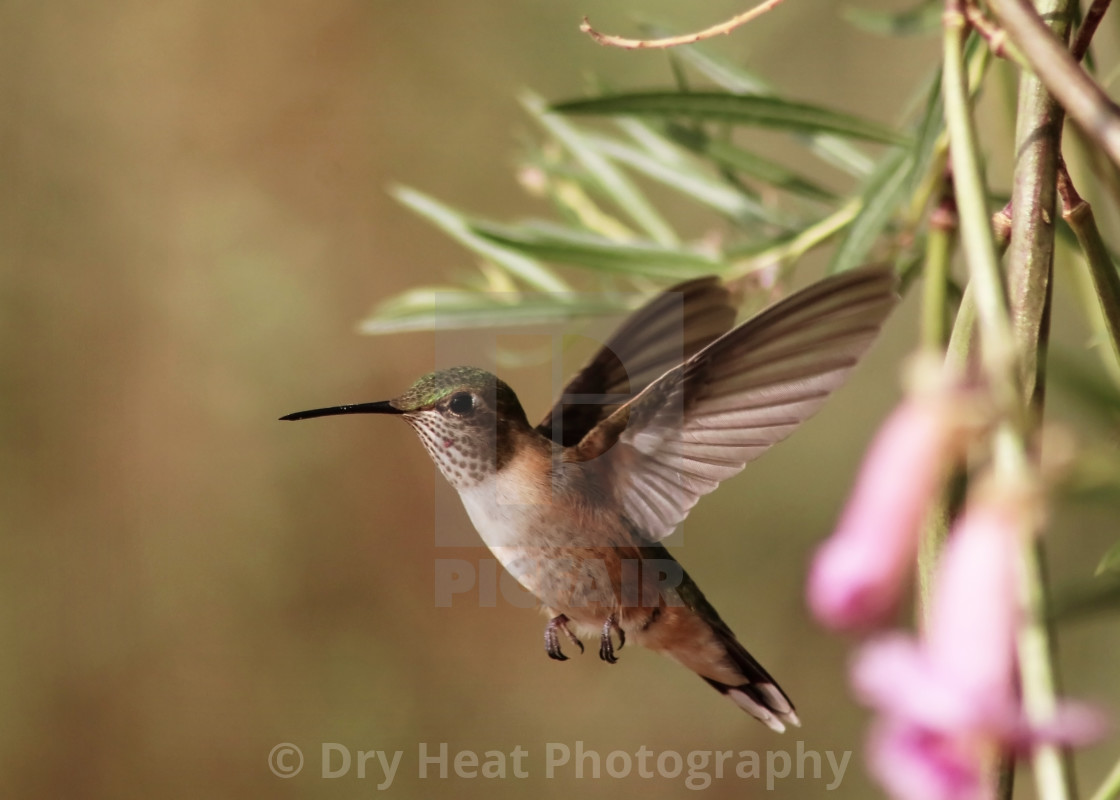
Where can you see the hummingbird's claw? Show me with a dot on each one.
(552, 641)
(606, 646)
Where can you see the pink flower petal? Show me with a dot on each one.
(859, 574)
(895, 675)
(947, 701)
(974, 611)
(915, 763)
(1074, 724)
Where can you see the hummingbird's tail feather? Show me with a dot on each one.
(703, 643)
(764, 701)
(759, 694)
(689, 630)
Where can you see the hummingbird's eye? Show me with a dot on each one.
(462, 403)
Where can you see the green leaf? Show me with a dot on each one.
(732, 77)
(1093, 478)
(758, 167)
(1087, 385)
(638, 259)
(1110, 562)
(655, 143)
(928, 130)
(894, 180)
(791, 246)
(757, 246)
(923, 18)
(452, 308)
(881, 196)
(1083, 600)
(609, 179)
(458, 226)
(687, 176)
(764, 111)
(836, 151)
(1102, 271)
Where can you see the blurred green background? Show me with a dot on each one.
(193, 218)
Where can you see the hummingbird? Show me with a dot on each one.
(677, 400)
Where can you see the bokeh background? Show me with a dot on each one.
(193, 219)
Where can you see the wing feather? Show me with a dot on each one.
(700, 422)
(669, 329)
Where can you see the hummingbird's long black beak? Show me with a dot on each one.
(380, 407)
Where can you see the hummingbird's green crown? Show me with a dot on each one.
(466, 419)
(437, 386)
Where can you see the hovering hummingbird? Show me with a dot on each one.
(675, 402)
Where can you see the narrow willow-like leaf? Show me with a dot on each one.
(1093, 392)
(891, 184)
(610, 180)
(657, 145)
(458, 226)
(1086, 599)
(786, 249)
(451, 308)
(688, 178)
(833, 150)
(755, 166)
(1102, 269)
(572, 193)
(1093, 479)
(1110, 562)
(921, 19)
(1100, 334)
(762, 110)
(757, 246)
(732, 77)
(929, 130)
(552, 243)
(880, 198)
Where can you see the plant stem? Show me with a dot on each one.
(959, 352)
(935, 278)
(813, 236)
(1088, 27)
(935, 336)
(1078, 93)
(1030, 259)
(1110, 788)
(986, 280)
(721, 29)
(1004, 344)
(1030, 255)
(1106, 280)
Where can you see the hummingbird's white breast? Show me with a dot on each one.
(547, 535)
(516, 518)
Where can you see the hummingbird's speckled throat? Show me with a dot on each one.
(468, 421)
(575, 507)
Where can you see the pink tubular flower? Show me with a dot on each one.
(961, 673)
(948, 703)
(859, 574)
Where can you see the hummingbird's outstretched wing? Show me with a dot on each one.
(657, 337)
(703, 421)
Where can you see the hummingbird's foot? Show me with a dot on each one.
(552, 641)
(606, 646)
